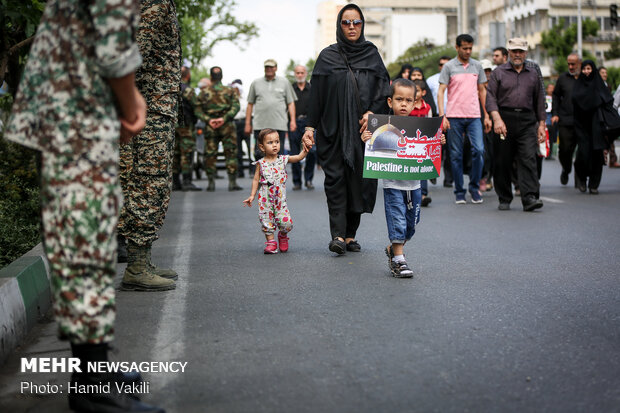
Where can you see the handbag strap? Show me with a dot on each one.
(357, 92)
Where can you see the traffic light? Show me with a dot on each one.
(613, 14)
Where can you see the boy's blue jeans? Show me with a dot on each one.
(402, 213)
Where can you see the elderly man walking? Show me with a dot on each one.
(562, 111)
(516, 103)
(268, 99)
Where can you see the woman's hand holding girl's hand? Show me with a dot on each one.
(308, 140)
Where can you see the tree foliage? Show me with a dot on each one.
(205, 23)
(20, 19)
(614, 50)
(559, 41)
(424, 54)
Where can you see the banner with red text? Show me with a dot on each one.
(403, 148)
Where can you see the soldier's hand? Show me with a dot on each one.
(216, 123)
(130, 128)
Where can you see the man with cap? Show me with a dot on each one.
(516, 103)
(268, 99)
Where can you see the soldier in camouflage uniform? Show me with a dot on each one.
(82, 60)
(146, 163)
(217, 106)
(185, 141)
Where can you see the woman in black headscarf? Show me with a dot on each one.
(589, 94)
(405, 72)
(349, 81)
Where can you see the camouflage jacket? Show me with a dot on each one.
(217, 101)
(159, 38)
(63, 97)
(188, 102)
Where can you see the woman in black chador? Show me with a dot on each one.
(349, 81)
(589, 94)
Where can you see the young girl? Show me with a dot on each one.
(402, 198)
(271, 177)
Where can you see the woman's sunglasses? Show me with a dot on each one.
(355, 22)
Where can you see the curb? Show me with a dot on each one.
(25, 296)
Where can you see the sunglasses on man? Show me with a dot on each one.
(355, 22)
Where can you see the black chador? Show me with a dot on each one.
(348, 80)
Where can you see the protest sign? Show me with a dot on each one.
(403, 147)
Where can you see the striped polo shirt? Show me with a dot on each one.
(462, 80)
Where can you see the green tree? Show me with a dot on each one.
(560, 41)
(205, 23)
(424, 54)
(20, 19)
(614, 50)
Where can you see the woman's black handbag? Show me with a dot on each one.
(610, 119)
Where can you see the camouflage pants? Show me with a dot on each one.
(146, 179)
(184, 144)
(227, 134)
(81, 199)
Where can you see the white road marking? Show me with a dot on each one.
(551, 200)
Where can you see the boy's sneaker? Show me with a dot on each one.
(460, 199)
(476, 198)
(391, 264)
(283, 241)
(402, 270)
(271, 247)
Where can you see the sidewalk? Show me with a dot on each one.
(25, 298)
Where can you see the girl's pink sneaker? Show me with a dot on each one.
(283, 241)
(271, 247)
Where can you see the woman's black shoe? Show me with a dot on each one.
(594, 191)
(354, 246)
(337, 246)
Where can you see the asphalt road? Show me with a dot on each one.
(507, 311)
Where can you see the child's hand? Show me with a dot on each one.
(248, 201)
(366, 135)
(443, 139)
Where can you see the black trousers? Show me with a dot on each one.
(589, 163)
(241, 137)
(520, 145)
(568, 143)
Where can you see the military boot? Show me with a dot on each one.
(138, 276)
(211, 185)
(121, 248)
(232, 183)
(162, 272)
(187, 184)
(176, 182)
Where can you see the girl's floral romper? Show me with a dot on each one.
(272, 208)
